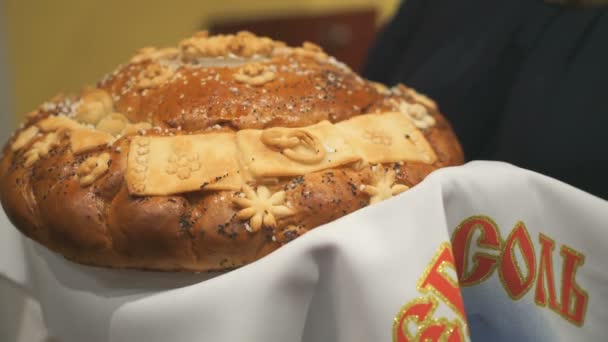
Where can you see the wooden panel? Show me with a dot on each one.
(344, 35)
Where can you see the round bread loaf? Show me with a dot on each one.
(213, 154)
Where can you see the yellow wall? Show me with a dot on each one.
(61, 45)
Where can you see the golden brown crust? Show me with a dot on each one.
(68, 189)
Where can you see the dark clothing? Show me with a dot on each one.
(521, 81)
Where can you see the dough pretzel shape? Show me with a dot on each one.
(287, 141)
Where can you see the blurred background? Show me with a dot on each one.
(58, 46)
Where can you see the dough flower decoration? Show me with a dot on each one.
(383, 186)
(421, 116)
(254, 74)
(151, 53)
(153, 75)
(25, 138)
(261, 207)
(95, 105)
(183, 164)
(41, 148)
(377, 137)
(92, 168)
(419, 97)
(418, 113)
